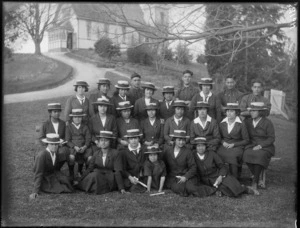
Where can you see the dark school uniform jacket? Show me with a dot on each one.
(135, 94)
(182, 165)
(123, 126)
(47, 127)
(111, 109)
(153, 133)
(139, 108)
(186, 93)
(78, 137)
(166, 112)
(170, 126)
(73, 103)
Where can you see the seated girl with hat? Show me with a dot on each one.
(206, 95)
(47, 177)
(154, 169)
(125, 122)
(140, 104)
(152, 128)
(133, 158)
(121, 95)
(102, 121)
(181, 169)
(205, 126)
(234, 137)
(78, 101)
(78, 139)
(103, 174)
(258, 153)
(212, 172)
(177, 122)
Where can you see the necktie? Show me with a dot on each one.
(205, 98)
(134, 152)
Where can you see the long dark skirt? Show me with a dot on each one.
(190, 188)
(260, 157)
(231, 156)
(56, 182)
(135, 188)
(98, 182)
(230, 186)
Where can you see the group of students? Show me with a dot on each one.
(192, 142)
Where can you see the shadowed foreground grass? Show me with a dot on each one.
(275, 207)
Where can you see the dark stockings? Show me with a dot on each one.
(255, 170)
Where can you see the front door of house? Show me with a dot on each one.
(70, 40)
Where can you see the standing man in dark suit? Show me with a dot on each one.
(135, 92)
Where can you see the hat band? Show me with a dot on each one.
(53, 139)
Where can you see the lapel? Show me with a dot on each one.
(207, 125)
(180, 153)
(108, 158)
(260, 123)
(131, 155)
(49, 159)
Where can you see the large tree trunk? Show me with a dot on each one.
(37, 48)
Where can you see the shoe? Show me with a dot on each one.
(252, 191)
(261, 185)
(218, 193)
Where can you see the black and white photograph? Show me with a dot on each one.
(149, 114)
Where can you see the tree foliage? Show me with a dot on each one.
(258, 53)
(141, 54)
(106, 48)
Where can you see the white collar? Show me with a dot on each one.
(77, 126)
(177, 119)
(202, 94)
(237, 120)
(131, 149)
(122, 97)
(256, 122)
(201, 156)
(53, 157)
(81, 99)
(197, 120)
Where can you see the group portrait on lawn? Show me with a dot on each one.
(193, 142)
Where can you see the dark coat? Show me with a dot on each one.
(210, 168)
(239, 136)
(123, 126)
(47, 177)
(135, 94)
(100, 179)
(214, 110)
(170, 126)
(210, 132)
(156, 171)
(247, 99)
(78, 137)
(263, 134)
(139, 108)
(165, 112)
(186, 93)
(47, 127)
(73, 103)
(153, 133)
(116, 99)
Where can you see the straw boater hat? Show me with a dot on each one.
(151, 106)
(149, 85)
(132, 133)
(152, 150)
(102, 101)
(256, 106)
(232, 106)
(168, 89)
(179, 134)
(81, 83)
(202, 104)
(122, 85)
(103, 81)
(124, 105)
(200, 140)
(54, 106)
(77, 112)
(52, 138)
(206, 81)
(106, 134)
(179, 103)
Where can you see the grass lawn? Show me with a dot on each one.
(29, 72)
(275, 207)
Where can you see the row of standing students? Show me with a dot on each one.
(149, 89)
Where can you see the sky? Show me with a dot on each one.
(28, 47)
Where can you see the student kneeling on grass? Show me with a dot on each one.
(79, 139)
(104, 172)
(47, 177)
(212, 172)
(154, 169)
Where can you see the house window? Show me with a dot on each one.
(162, 17)
(88, 29)
(123, 34)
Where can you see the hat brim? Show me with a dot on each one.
(202, 107)
(46, 141)
(257, 109)
(132, 136)
(81, 115)
(206, 83)
(81, 85)
(148, 87)
(120, 109)
(153, 152)
(230, 108)
(183, 106)
(118, 87)
(196, 143)
(107, 137)
(177, 136)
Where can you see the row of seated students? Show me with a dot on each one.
(80, 132)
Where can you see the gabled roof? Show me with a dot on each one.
(109, 13)
(65, 25)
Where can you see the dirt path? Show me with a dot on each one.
(85, 71)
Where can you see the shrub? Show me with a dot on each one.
(182, 54)
(168, 54)
(201, 59)
(141, 54)
(106, 48)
